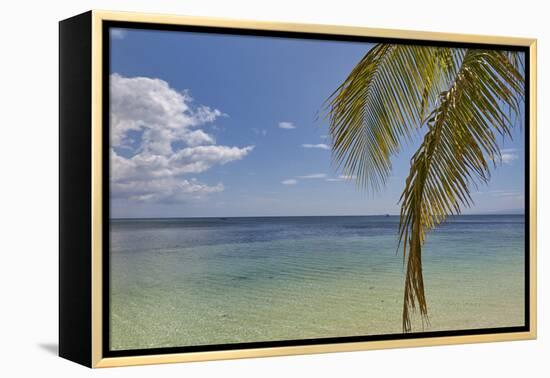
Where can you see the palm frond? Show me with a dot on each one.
(466, 98)
(380, 104)
(456, 153)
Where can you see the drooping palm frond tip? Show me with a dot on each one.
(461, 98)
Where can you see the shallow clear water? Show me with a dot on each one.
(179, 282)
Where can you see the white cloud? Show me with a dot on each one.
(501, 193)
(190, 160)
(318, 176)
(342, 178)
(313, 176)
(319, 145)
(163, 114)
(164, 190)
(347, 177)
(289, 182)
(286, 125)
(509, 155)
(117, 33)
(170, 145)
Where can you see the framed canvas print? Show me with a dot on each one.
(235, 189)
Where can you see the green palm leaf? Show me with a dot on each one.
(469, 96)
(370, 115)
(457, 151)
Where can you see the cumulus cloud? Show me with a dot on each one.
(190, 160)
(162, 113)
(286, 125)
(163, 190)
(321, 146)
(289, 182)
(170, 146)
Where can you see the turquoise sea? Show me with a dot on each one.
(199, 281)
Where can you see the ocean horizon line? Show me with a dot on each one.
(304, 216)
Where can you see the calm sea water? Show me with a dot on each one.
(178, 282)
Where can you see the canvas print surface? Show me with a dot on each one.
(270, 188)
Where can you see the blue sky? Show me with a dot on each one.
(213, 125)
